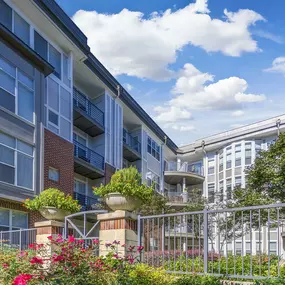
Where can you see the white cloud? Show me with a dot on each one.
(128, 86)
(171, 114)
(192, 92)
(195, 90)
(238, 113)
(278, 65)
(137, 45)
(269, 36)
(182, 127)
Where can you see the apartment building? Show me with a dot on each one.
(65, 121)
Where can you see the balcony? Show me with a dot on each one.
(192, 173)
(86, 116)
(87, 162)
(88, 203)
(131, 147)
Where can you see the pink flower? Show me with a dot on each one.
(50, 237)
(116, 242)
(81, 241)
(131, 247)
(36, 260)
(58, 258)
(96, 241)
(108, 244)
(140, 248)
(31, 246)
(22, 254)
(71, 239)
(5, 265)
(21, 279)
(59, 240)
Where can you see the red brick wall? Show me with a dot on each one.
(58, 153)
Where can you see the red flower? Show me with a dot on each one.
(140, 248)
(96, 241)
(21, 279)
(5, 265)
(71, 239)
(81, 241)
(31, 246)
(50, 237)
(57, 258)
(36, 260)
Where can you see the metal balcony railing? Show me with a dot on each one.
(80, 101)
(88, 155)
(196, 168)
(131, 142)
(87, 202)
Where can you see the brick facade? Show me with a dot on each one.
(58, 153)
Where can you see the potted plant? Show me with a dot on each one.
(53, 204)
(125, 190)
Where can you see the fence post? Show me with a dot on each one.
(20, 241)
(1, 239)
(205, 241)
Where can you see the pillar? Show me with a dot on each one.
(118, 226)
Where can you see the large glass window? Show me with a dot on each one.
(5, 15)
(79, 187)
(237, 181)
(21, 28)
(229, 188)
(153, 148)
(211, 193)
(221, 161)
(55, 60)
(248, 159)
(16, 162)
(152, 178)
(16, 91)
(211, 166)
(273, 247)
(41, 45)
(229, 157)
(238, 155)
(12, 220)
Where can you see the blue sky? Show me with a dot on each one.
(195, 67)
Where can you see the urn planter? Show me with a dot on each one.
(54, 214)
(116, 201)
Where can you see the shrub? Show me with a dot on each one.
(126, 181)
(198, 280)
(272, 281)
(53, 198)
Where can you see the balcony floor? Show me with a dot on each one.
(87, 169)
(85, 123)
(130, 154)
(176, 177)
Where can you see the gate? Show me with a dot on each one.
(234, 242)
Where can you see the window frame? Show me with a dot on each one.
(16, 95)
(153, 148)
(11, 211)
(58, 173)
(15, 166)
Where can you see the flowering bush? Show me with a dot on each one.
(53, 198)
(72, 262)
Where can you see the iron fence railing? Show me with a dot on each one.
(88, 155)
(87, 202)
(18, 239)
(131, 142)
(242, 243)
(80, 101)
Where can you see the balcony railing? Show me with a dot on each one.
(81, 102)
(196, 168)
(88, 155)
(87, 202)
(131, 142)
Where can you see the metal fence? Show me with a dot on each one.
(18, 239)
(239, 242)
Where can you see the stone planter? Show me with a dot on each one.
(54, 214)
(117, 201)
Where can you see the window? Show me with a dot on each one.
(5, 15)
(152, 178)
(53, 174)
(79, 187)
(248, 153)
(153, 148)
(273, 248)
(237, 181)
(55, 60)
(229, 157)
(13, 220)
(59, 109)
(229, 188)
(238, 155)
(258, 247)
(66, 71)
(211, 166)
(238, 248)
(221, 190)
(16, 91)
(21, 28)
(41, 46)
(16, 162)
(211, 193)
(221, 161)
(248, 248)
